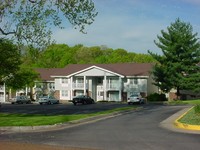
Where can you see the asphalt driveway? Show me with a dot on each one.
(135, 130)
(59, 109)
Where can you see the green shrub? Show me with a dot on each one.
(197, 109)
(156, 97)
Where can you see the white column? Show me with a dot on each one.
(120, 89)
(4, 95)
(26, 91)
(84, 84)
(105, 87)
(10, 93)
(71, 88)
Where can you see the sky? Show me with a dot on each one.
(132, 25)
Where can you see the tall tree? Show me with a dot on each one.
(12, 72)
(30, 21)
(51, 57)
(177, 67)
(9, 59)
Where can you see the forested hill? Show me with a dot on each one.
(60, 55)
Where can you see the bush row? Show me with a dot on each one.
(156, 97)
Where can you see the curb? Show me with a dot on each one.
(184, 125)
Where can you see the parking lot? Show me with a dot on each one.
(58, 109)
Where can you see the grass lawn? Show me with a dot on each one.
(36, 120)
(176, 102)
(191, 117)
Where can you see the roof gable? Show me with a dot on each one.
(95, 71)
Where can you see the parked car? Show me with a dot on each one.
(48, 100)
(20, 100)
(135, 98)
(83, 99)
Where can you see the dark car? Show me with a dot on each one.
(83, 99)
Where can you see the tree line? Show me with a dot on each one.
(60, 55)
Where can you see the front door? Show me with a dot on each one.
(100, 95)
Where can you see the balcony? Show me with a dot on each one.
(114, 87)
(79, 86)
(130, 87)
(109, 87)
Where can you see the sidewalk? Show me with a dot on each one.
(26, 146)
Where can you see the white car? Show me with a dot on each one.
(20, 100)
(135, 98)
(48, 100)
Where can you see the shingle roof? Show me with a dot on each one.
(45, 73)
(126, 69)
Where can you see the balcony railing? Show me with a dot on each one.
(115, 86)
(130, 87)
(79, 86)
(109, 87)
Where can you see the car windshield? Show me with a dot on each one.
(44, 97)
(135, 95)
(80, 96)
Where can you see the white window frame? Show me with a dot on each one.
(64, 80)
(135, 81)
(64, 93)
(80, 80)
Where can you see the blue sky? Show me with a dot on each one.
(132, 24)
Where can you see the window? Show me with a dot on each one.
(64, 93)
(135, 81)
(100, 80)
(101, 93)
(51, 86)
(64, 80)
(79, 80)
(131, 81)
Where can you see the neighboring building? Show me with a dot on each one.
(184, 95)
(46, 86)
(2, 93)
(103, 82)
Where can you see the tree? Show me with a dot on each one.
(50, 58)
(9, 59)
(24, 77)
(177, 67)
(30, 21)
(30, 56)
(12, 72)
